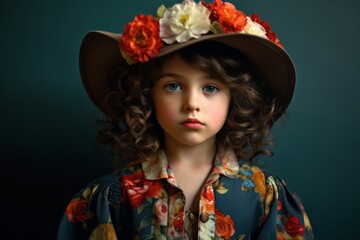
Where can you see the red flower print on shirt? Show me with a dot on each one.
(293, 226)
(224, 225)
(77, 211)
(179, 221)
(138, 188)
(279, 205)
(208, 200)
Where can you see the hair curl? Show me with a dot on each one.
(132, 128)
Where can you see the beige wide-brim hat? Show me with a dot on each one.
(100, 52)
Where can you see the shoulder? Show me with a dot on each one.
(109, 184)
(259, 173)
(282, 207)
(97, 199)
(97, 209)
(264, 182)
(84, 203)
(105, 190)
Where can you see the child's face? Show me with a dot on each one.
(191, 106)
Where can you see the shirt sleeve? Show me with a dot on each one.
(95, 212)
(285, 216)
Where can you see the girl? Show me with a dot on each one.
(191, 97)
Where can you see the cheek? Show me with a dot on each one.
(219, 115)
(219, 111)
(165, 110)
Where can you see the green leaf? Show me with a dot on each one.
(216, 28)
(128, 58)
(241, 237)
(140, 209)
(160, 11)
(145, 222)
(221, 189)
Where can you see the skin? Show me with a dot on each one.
(191, 108)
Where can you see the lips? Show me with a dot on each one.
(192, 120)
(192, 123)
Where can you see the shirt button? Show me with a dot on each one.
(204, 217)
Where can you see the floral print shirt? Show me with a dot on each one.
(238, 201)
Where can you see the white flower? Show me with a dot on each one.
(254, 28)
(184, 21)
(207, 229)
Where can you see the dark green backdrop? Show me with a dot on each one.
(47, 121)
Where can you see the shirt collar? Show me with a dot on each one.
(156, 168)
(225, 163)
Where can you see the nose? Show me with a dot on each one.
(192, 101)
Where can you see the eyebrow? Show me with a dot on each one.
(175, 75)
(170, 75)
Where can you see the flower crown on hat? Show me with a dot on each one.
(144, 37)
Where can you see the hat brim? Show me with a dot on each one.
(99, 52)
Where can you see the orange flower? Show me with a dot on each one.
(230, 19)
(258, 178)
(224, 225)
(77, 211)
(103, 231)
(141, 40)
(279, 236)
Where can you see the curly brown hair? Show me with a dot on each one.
(132, 128)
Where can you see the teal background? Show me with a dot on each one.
(48, 130)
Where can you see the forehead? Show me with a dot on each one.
(174, 61)
(178, 66)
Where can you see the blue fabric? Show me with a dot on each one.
(239, 201)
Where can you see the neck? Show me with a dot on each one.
(194, 156)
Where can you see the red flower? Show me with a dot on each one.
(208, 194)
(279, 205)
(140, 39)
(271, 35)
(230, 19)
(77, 211)
(265, 24)
(179, 221)
(224, 225)
(138, 188)
(293, 226)
(208, 200)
